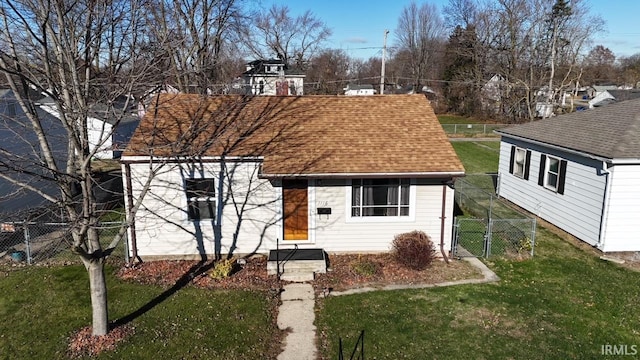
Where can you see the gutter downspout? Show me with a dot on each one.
(132, 226)
(605, 205)
(442, 222)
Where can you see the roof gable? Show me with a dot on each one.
(304, 135)
(611, 132)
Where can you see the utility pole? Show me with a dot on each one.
(384, 55)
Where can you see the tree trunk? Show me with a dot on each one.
(98, 286)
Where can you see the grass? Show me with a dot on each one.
(456, 119)
(42, 306)
(478, 157)
(564, 303)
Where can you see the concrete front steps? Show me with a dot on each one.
(297, 265)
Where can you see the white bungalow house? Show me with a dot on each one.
(359, 90)
(249, 174)
(272, 77)
(578, 171)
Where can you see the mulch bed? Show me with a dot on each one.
(346, 271)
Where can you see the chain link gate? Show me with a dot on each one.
(493, 237)
(470, 237)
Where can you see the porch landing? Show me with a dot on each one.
(297, 265)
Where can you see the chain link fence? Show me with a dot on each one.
(41, 242)
(472, 129)
(490, 227)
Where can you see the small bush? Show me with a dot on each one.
(222, 269)
(413, 250)
(364, 267)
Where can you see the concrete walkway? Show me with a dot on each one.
(296, 313)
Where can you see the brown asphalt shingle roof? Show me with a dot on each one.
(611, 132)
(305, 135)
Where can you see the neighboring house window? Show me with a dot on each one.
(11, 109)
(292, 88)
(380, 197)
(552, 173)
(519, 162)
(201, 203)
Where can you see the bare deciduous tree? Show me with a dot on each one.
(80, 55)
(328, 72)
(292, 39)
(420, 37)
(535, 45)
(194, 39)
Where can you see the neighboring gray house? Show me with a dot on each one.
(580, 172)
(17, 147)
(106, 141)
(609, 96)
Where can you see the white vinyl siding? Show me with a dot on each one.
(337, 233)
(623, 211)
(163, 228)
(578, 210)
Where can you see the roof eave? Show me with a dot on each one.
(627, 161)
(556, 147)
(439, 174)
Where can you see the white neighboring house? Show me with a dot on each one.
(273, 77)
(106, 141)
(340, 173)
(492, 93)
(578, 171)
(354, 89)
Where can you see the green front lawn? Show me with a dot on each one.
(41, 307)
(564, 303)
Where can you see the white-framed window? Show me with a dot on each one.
(519, 162)
(552, 174)
(380, 197)
(201, 199)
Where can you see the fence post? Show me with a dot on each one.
(455, 128)
(533, 235)
(484, 129)
(454, 243)
(126, 247)
(488, 238)
(27, 241)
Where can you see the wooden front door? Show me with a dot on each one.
(296, 215)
